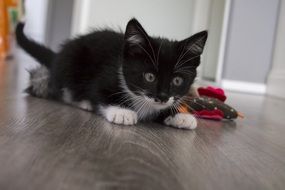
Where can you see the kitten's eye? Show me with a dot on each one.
(177, 81)
(149, 77)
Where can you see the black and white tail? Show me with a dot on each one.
(42, 54)
(39, 76)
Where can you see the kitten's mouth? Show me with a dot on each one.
(158, 104)
(161, 103)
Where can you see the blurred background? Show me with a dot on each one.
(245, 50)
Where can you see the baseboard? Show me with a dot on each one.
(275, 85)
(247, 87)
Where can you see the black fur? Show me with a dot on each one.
(89, 65)
(42, 54)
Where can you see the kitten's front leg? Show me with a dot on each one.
(119, 115)
(181, 120)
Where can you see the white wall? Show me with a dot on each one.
(201, 10)
(168, 18)
(276, 78)
(59, 22)
(36, 17)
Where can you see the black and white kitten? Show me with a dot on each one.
(124, 77)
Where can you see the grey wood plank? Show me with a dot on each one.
(47, 145)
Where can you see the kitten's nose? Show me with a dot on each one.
(162, 97)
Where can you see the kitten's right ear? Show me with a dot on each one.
(196, 43)
(135, 37)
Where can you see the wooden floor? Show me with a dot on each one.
(48, 146)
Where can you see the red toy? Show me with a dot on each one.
(217, 93)
(210, 105)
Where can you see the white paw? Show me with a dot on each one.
(120, 115)
(182, 120)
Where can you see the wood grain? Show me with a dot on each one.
(46, 145)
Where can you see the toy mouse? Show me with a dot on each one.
(209, 103)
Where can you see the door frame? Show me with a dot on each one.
(201, 21)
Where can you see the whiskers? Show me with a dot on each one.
(137, 101)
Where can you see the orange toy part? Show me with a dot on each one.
(183, 109)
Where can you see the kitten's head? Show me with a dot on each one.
(159, 71)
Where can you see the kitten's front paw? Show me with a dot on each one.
(120, 115)
(182, 120)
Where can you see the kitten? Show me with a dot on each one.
(126, 78)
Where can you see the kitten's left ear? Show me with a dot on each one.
(135, 34)
(136, 38)
(196, 43)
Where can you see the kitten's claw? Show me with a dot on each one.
(182, 120)
(120, 115)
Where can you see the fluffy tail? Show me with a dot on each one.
(41, 53)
